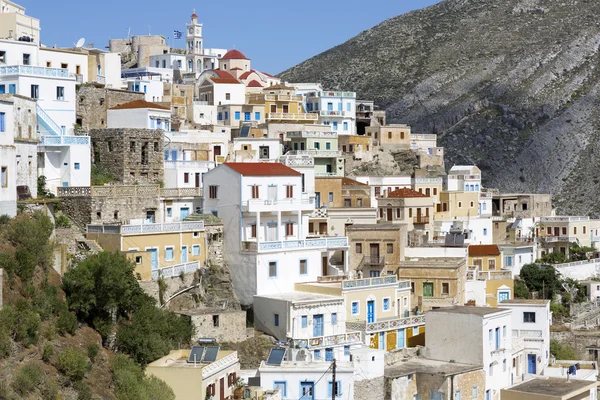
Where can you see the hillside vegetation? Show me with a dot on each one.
(87, 339)
(511, 86)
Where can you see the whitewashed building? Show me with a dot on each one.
(139, 114)
(249, 149)
(15, 24)
(379, 184)
(465, 178)
(337, 109)
(531, 320)
(473, 335)
(8, 157)
(266, 213)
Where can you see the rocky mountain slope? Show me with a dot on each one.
(509, 85)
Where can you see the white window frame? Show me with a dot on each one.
(383, 304)
(196, 246)
(357, 307)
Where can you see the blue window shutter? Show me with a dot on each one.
(2, 89)
(304, 321)
(333, 318)
(12, 88)
(349, 107)
(237, 115)
(2, 118)
(329, 389)
(257, 116)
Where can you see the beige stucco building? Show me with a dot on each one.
(435, 282)
(193, 381)
(407, 206)
(376, 248)
(396, 135)
(457, 205)
(558, 233)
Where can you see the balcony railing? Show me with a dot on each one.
(327, 341)
(423, 136)
(175, 270)
(331, 113)
(127, 191)
(493, 275)
(315, 153)
(368, 282)
(396, 323)
(51, 140)
(180, 192)
(147, 228)
(297, 161)
(576, 263)
(420, 220)
(219, 365)
(301, 244)
(371, 261)
(38, 71)
(332, 94)
(101, 79)
(521, 333)
(554, 239)
(276, 97)
(292, 116)
(309, 134)
(564, 219)
(175, 164)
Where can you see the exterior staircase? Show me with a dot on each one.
(45, 121)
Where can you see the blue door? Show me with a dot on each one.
(184, 254)
(318, 200)
(154, 258)
(307, 391)
(487, 395)
(531, 363)
(381, 341)
(318, 325)
(400, 339)
(184, 212)
(370, 311)
(497, 338)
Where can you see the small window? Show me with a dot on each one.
(282, 387)
(215, 319)
(333, 318)
(304, 319)
(132, 148)
(60, 93)
(77, 166)
(386, 304)
(460, 204)
(390, 248)
(253, 231)
(156, 147)
(484, 231)
(276, 319)
(529, 317)
(358, 248)
(27, 59)
(138, 259)
(289, 229)
(347, 202)
(289, 191)
(110, 147)
(196, 250)
(196, 234)
(412, 287)
(169, 254)
(303, 267)
(2, 57)
(212, 191)
(4, 177)
(331, 197)
(474, 392)
(273, 269)
(355, 308)
(445, 288)
(227, 96)
(186, 177)
(255, 193)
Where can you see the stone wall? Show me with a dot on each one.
(214, 243)
(93, 104)
(133, 156)
(580, 341)
(79, 209)
(137, 50)
(27, 165)
(224, 326)
(370, 389)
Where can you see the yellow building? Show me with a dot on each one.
(408, 207)
(485, 264)
(396, 135)
(378, 307)
(157, 249)
(557, 233)
(457, 205)
(191, 380)
(282, 105)
(435, 282)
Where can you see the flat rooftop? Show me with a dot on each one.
(415, 365)
(178, 359)
(526, 301)
(375, 227)
(205, 311)
(471, 310)
(312, 366)
(426, 262)
(305, 296)
(552, 386)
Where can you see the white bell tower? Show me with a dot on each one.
(194, 45)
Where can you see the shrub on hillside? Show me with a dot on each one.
(27, 378)
(132, 384)
(66, 323)
(73, 364)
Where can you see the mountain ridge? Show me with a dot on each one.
(510, 86)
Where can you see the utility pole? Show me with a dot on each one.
(333, 383)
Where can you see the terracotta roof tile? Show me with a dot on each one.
(246, 74)
(262, 169)
(352, 182)
(405, 193)
(223, 74)
(139, 104)
(234, 55)
(484, 250)
(269, 75)
(235, 69)
(279, 86)
(225, 80)
(254, 83)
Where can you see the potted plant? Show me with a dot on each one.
(238, 388)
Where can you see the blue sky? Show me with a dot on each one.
(274, 37)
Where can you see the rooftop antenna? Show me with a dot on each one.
(80, 43)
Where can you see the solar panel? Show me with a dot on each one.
(196, 354)
(245, 130)
(211, 354)
(276, 356)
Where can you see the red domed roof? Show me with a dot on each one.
(234, 55)
(223, 74)
(254, 83)
(194, 15)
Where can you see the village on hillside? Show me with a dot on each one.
(292, 218)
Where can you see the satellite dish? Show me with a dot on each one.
(80, 43)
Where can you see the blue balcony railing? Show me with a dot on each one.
(33, 70)
(65, 140)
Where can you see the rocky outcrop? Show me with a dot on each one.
(511, 86)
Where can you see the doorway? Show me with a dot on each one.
(307, 390)
(531, 363)
(374, 253)
(370, 311)
(324, 266)
(197, 182)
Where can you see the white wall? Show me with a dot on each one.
(15, 50)
(153, 89)
(237, 92)
(136, 118)
(177, 205)
(205, 114)
(27, 157)
(57, 58)
(112, 70)
(475, 290)
(8, 194)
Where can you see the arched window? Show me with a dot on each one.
(199, 65)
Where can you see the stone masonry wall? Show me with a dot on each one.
(93, 104)
(214, 243)
(228, 327)
(370, 389)
(133, 156)
(79, 209)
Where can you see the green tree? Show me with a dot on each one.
(30, 236)
(555, 257)
(562, 351)
(27, 378)
(102, 288)
(132, 384)
(152, 333)
(521, 291)
(543, 279)
(577, 253)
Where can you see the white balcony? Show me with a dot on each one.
(312, 134)
(292, 116)
(316, 153)
(51, 140)
(351, 95)
(331, 113)
(182, 164)
(386, 325)
(175, 270)
(36, 71)
(274, 205)
(127, 230)
(328, 243)
(558, 239)
(564, 219)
